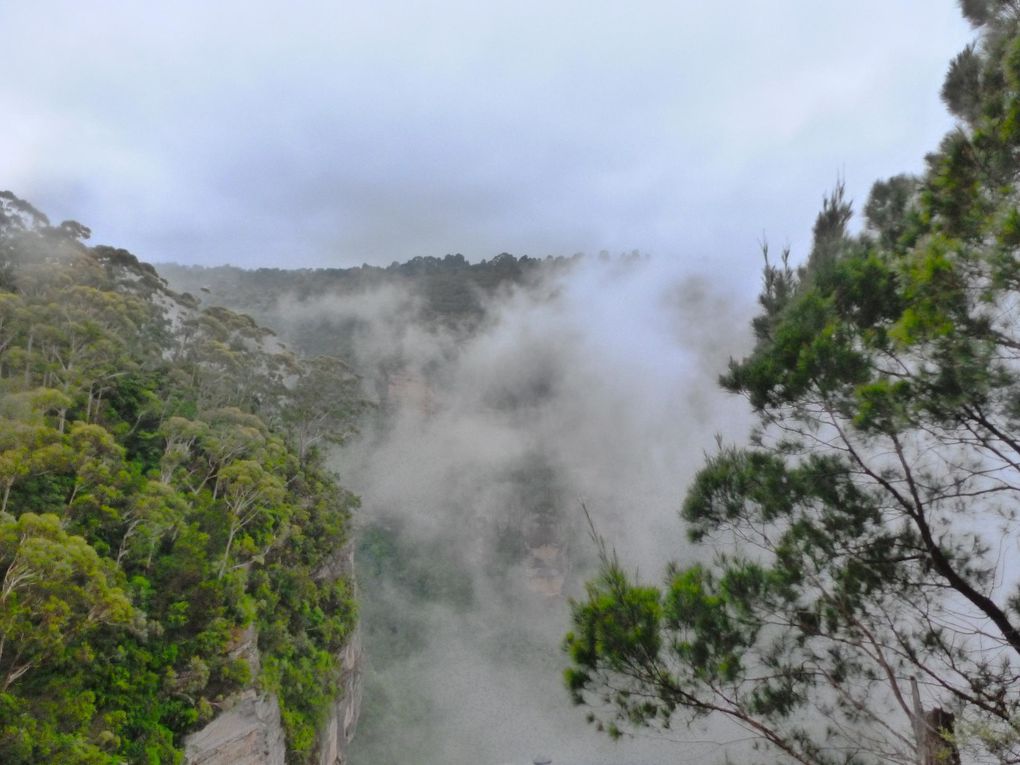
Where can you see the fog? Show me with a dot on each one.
(596, 386)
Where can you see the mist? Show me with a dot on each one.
(593, 387)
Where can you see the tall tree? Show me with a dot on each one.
(55, 591)
(870, 526)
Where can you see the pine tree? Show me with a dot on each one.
(871, 522)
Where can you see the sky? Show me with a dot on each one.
(319, 134)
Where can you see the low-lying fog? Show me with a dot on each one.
(596, 388)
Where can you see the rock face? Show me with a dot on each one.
(338, 731)
(545, 568)
(249, 733)
(336, 735)
(407, 389)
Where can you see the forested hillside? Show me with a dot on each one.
(452, 289)
(162, 501)
(863, 601)
(447, 292)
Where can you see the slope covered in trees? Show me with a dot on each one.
(451, 291)
(862, 601)
(162, 499)
(315, 308)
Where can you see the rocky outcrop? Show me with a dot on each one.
(336, 735)
(338, 731)
(545, 570)
(249, 733)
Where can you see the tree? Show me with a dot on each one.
(55, 590)
(251, 494)
(322, 405)
(869, 527)
(152, 509)
(28, 445)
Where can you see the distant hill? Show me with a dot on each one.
(452, 291)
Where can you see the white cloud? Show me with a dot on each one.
(387, 130)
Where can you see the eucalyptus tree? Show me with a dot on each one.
(322, 405)
(55, 591)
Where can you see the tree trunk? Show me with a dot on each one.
(226, 552)
(934, 731)
(937, 744)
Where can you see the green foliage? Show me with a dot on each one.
(859, 532)
(887, 208)
(448, 291)
(153, 512)
(961, 91)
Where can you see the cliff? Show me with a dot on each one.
(250, 730)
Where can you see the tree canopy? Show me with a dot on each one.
(163, 501)
(859, 597)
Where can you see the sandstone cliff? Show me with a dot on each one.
(250, 732)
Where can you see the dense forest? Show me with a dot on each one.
(167, 528)
(862, 604)
(450, 291)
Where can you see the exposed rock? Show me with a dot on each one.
(338, 565)
(545, 568)
(336, 735)
(249, 733)
(338, 731)
(546, 563)
(406, 389)
(246, 646)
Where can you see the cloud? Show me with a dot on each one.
(332, 133)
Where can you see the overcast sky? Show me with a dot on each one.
(331, 133)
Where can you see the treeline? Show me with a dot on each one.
(452, 290)
(163, 505)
